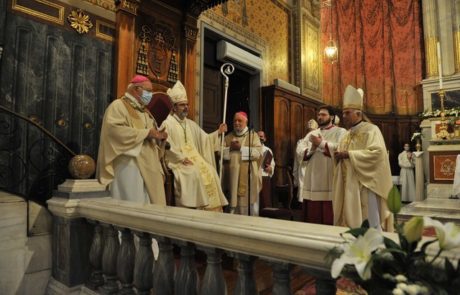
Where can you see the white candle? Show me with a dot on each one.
(438, 46)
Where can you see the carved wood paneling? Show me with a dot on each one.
(284, 117)
(212, 99)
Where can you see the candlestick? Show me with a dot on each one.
(438, 47)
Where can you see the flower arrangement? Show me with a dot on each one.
(383, 266)
(437, 113)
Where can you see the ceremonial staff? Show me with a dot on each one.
(226, 69)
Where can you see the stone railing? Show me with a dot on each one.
(104, 245)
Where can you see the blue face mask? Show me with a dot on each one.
(146, 96)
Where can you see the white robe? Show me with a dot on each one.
(406, 176)
(316, 174)
(196, 185)
(127, 161)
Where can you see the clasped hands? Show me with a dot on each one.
(157, 134)
(235, 145)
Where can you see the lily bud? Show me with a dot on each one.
(413, 229)
(394, 200)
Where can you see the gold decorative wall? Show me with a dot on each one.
(107, 4)
(269, 20)
(310, 58)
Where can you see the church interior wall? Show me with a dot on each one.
(380, 50)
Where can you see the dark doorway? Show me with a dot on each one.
(242, 95)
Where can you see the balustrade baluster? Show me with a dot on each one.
(109, 259)
(281, 278)
(125, 262)
(163, 274)
(143, 264)
(186, 282)
(95, 258)
(246, 284)
(213, 280)
(324, 283)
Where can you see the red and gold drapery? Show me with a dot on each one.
(380, 50)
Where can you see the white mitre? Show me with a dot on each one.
(177, 94)
(353, 98)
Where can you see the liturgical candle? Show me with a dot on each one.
(438, 47)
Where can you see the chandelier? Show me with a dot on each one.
(331, 52)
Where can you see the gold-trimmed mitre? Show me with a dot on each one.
(352, 98)
(178, 93)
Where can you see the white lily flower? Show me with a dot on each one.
(359, 253)
(448, 234)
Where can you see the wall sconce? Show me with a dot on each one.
(331, 52)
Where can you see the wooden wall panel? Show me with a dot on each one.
(284, 116)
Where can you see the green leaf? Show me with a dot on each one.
(426, 244)
(449, 268)
(390, 244)
(394, 200)
(356, 232)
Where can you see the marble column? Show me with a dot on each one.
(430, 36)
(419, 179)
(445, 9)
(456, 35)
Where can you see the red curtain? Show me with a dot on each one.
(380, 50)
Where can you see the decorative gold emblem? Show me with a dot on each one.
(79, 21)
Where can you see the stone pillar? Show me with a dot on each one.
(456, 35)
(430, 36)
(95, 258)
(71, 244)
(246, 283)
(143, 264)
(186, 281)
(125, 262)
(213, 279)
(419, 177)
(163, 274)
(72, 237)
(281, 278)
(109, 259)
(445, 32)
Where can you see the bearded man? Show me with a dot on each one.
(191, 157)
(316, 150)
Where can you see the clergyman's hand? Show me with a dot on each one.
(341, 155)
(222, 128)
(157, 134)
(316, 140)
(268, 169)
(187, 162)
(235, 145)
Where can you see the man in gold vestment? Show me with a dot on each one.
(362, 180)
(191, 157)
(129, 150)
(236, 166)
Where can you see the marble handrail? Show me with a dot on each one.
(277, 240)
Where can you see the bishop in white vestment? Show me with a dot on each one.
(191, 157)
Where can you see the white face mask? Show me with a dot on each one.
(146, 96)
